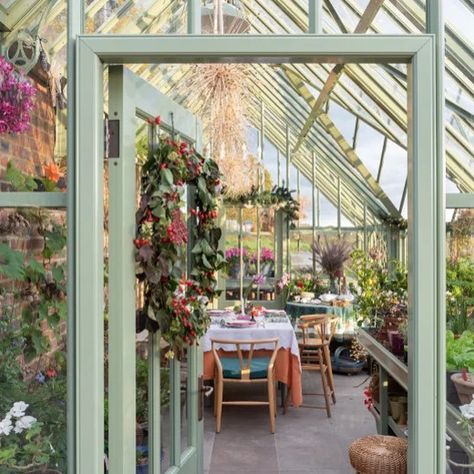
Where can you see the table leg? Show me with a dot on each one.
(282, 388)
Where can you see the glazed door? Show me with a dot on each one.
(154, 403)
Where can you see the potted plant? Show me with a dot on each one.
(381, 291)
(232, 256)
(267, 261)
(460, 295)
(460, 364)
(331, 255)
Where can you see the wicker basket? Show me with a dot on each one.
(379, 455)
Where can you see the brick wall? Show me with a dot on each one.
(35, 147)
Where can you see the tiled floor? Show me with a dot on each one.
(306, 441)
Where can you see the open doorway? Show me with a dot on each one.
(269, 263)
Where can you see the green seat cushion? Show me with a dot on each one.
(258, 368)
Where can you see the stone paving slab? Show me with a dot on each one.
(306, 441)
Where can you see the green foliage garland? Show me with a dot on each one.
(279, 198)
(174, 304)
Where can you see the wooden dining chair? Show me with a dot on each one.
(315, 340)
(315, 354)
(244, 366)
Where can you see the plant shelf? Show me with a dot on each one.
(392, 366)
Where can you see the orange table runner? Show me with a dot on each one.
(287, 371)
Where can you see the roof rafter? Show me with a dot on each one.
(345, 147)
(366, 19)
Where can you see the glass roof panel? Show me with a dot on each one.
(394, 172)
(366, 91)
(458, 14)
(369, 147)
(344, 120)
(135, 17)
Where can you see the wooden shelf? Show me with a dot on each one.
(395, 367)
(398, 430)
(399, 371)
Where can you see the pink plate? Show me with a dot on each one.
(240, 324)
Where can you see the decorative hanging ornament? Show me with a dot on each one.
(220, 95)
(24, 50)
(227, 16)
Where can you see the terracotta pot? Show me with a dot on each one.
(465, 388)
(451, 392)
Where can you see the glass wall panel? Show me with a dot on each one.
(33, 115)
(33, 340)
(135, 18)
(256, 229)
(460, 339)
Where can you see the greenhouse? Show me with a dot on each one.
(236, 236)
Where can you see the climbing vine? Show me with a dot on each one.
(175, 299)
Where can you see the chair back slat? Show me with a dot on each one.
(245, 366)
(324, 326)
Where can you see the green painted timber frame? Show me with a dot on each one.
(130, 99)
(425, 194)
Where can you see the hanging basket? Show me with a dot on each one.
(16, 99)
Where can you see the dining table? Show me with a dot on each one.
(268, 325)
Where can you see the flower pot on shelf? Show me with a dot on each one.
(267, 268)
(451, 392)
(464, 388)
(234, 270)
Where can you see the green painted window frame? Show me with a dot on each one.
(426, 211)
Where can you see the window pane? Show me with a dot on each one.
(33, 332)
(34, 104)
(460, 336)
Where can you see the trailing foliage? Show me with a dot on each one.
(279, 198)
(173, 304)
(32, 301)
(460, 351)
(398, 223)
(460, 295)
(52, 180)
(39, 295)
(380, 287)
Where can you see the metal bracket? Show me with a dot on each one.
(111, 138)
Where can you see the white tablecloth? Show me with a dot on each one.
(284, 332)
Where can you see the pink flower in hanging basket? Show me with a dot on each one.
(16, 99)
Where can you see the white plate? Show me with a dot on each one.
(327, 297)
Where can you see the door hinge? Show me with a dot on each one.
(111, 138)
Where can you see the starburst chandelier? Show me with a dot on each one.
(219, 93)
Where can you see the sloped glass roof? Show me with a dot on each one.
(359, 132)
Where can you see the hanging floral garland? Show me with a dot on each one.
(278, 197)
(175, 302)
(16, 99)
